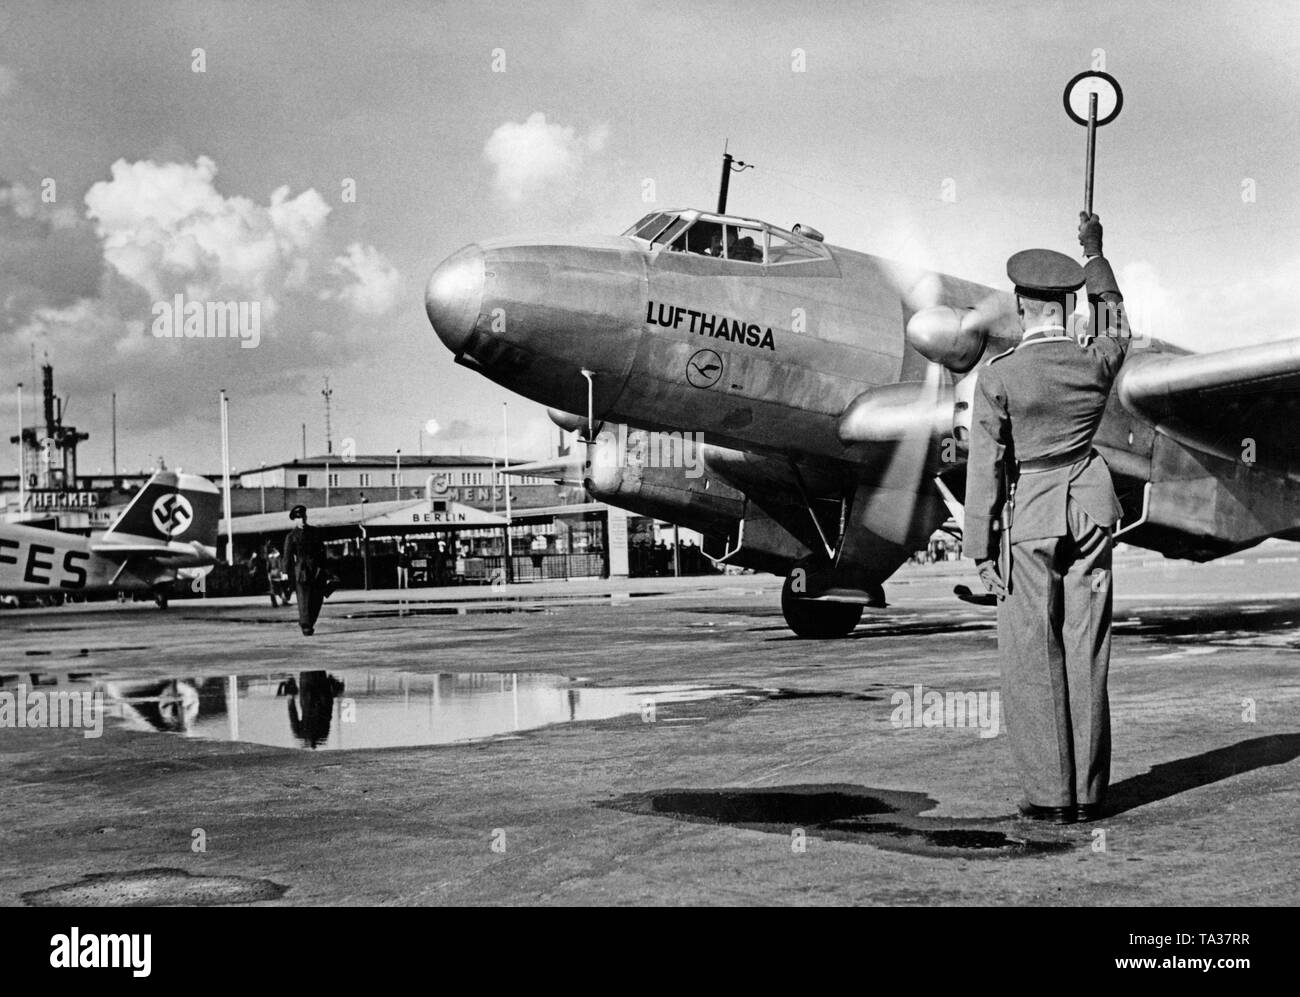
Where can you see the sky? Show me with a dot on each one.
(319, 159)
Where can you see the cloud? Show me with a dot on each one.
(460, 429)
(165, 228)
(528, 157)
(368, 284)
(153, 230)
(48, 256)
(23, 202)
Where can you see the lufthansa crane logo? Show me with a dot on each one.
(172, 514)
(704, 369)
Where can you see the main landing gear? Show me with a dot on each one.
(812, 619)
(838, 611)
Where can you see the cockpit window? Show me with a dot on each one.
(651, 225)
(735, 240)
(783, 250)
(671, 234)
(705, 239)
(636, 226)
(744, 244)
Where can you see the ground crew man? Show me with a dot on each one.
(404, 555)
(1041, 496)
(276, 576)
(304, 560)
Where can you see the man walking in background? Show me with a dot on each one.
(304, 559)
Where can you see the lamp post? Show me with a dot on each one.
(22, 458)
(398, 476)
(225, 476)
(505, 478)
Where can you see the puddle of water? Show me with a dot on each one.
(358, 709)
(415, 610)
(781, 694)
(155, 888)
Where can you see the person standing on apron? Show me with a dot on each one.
(304, 559)
(1038, 493)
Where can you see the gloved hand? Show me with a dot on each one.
(1090, 234)
(988, 571)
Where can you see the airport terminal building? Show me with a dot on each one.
(464, 518)
(461, 520)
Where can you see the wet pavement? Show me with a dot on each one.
(662, 741)
(350, 709)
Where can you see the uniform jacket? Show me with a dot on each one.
(1043, 398)
(304, 554)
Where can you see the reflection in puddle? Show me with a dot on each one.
(354, 709)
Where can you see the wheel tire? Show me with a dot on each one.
(160, 601)
(814, 620)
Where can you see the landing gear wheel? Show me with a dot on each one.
(817, 620)
(160, 600)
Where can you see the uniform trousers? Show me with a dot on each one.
(311, 593)
(1054, 639)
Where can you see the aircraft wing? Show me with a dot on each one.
(1213, 402)
(123, 552)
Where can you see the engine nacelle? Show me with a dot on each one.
(660, 475)
(663, 475)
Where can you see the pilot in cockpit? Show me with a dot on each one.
(744, 250)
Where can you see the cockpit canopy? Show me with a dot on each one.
(739, 240)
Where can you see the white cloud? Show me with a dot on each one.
(369, 284)
(20, 199)
(167, 229)
(153, 230)
(528, 156)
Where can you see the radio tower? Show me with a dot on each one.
(329, 433)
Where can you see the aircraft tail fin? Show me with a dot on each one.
(170, 506)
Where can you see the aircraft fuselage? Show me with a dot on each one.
(766, 358)
(35, 561)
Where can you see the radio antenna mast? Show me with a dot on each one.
(329, 432)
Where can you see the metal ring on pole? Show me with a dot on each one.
(1110, 98)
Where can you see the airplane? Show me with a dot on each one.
(167, 533)
(832, 390)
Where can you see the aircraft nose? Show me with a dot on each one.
(454, 297)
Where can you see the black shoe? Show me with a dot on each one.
(1086, 812)
(308, 631)
(1049, 815)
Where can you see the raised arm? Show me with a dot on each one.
(1109, 325)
